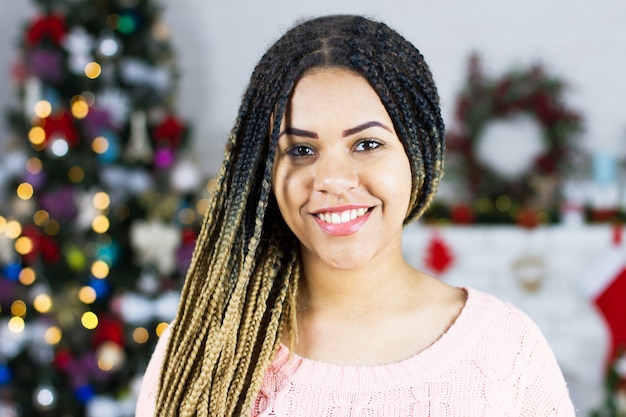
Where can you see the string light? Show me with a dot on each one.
(76, 174)
(34, 165)
(141, 335)
(101, 200)
(52, 228)
(25, 191)
(16, 324)
(13, 229)
(42, 303)
(160, 328)
(18, 308)
(186, 216)
(43, 109)
(100, 269)
(93, 70)
(41, 218)
(28, 276)
(37, 136)
(59, 147)
(23, 245)
(53, 335)
(100, 145)
(100, 224)
(89, 320)
(87, 295)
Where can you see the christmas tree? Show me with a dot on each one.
(101, 207)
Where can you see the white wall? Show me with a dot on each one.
(583, 42)
(218, 44)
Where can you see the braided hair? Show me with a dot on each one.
(240, 291)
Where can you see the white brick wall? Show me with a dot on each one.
(484, 258)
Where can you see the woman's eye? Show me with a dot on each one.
(300, 151)
(367, 145)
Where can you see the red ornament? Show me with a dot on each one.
(170, 130)
(438, 255)
(42, 245)
(109, 330)
(462, 214)
(61, 124)
(188, 235)
(62, 359)
(51, 26)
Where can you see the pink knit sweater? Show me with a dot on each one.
(493, 361)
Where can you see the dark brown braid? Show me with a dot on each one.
(239, 295)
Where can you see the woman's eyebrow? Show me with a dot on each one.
(361, 127)
(299, 132)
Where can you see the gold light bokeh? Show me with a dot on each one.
(27, 276)
(23, 245)
(43, 303)
(140, 335)
(76, 174)
(100, 224)
(13, 229)
(100, 269)
(89, 320)
(101, 200)
(41, 218)
(52, 228)
(34, 165)
(53, 335)
(160, 328)
(16, 324)
(25, 191)
(93, 70)
(18, 308)
(100, 145)
(43, 109)
(87, 295)
(186, 216)
(37, 136)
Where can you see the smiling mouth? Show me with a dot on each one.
(342, 216)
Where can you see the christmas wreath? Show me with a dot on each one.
(531, 196)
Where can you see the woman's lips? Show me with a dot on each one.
(342, 221)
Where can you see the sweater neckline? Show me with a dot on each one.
(450, 345)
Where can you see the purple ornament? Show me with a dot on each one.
(60, 203)
(96, 121)
(8, 289)
(184, 254)
(46, 64)
(37, 180)
(164, 158)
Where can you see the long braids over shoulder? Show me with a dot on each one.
(239, 296)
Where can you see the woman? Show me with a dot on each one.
(298, 301)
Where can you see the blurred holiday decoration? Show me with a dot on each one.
(438, 257)
(604, 283)
(512, 144)
(101, 204)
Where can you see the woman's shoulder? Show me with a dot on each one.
(495, 310)
(500, 326)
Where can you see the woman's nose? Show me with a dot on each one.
(335, 174)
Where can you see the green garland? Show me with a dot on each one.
(494, 198)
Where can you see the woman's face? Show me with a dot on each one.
(341, 176)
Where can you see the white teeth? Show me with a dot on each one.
(342, 217)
